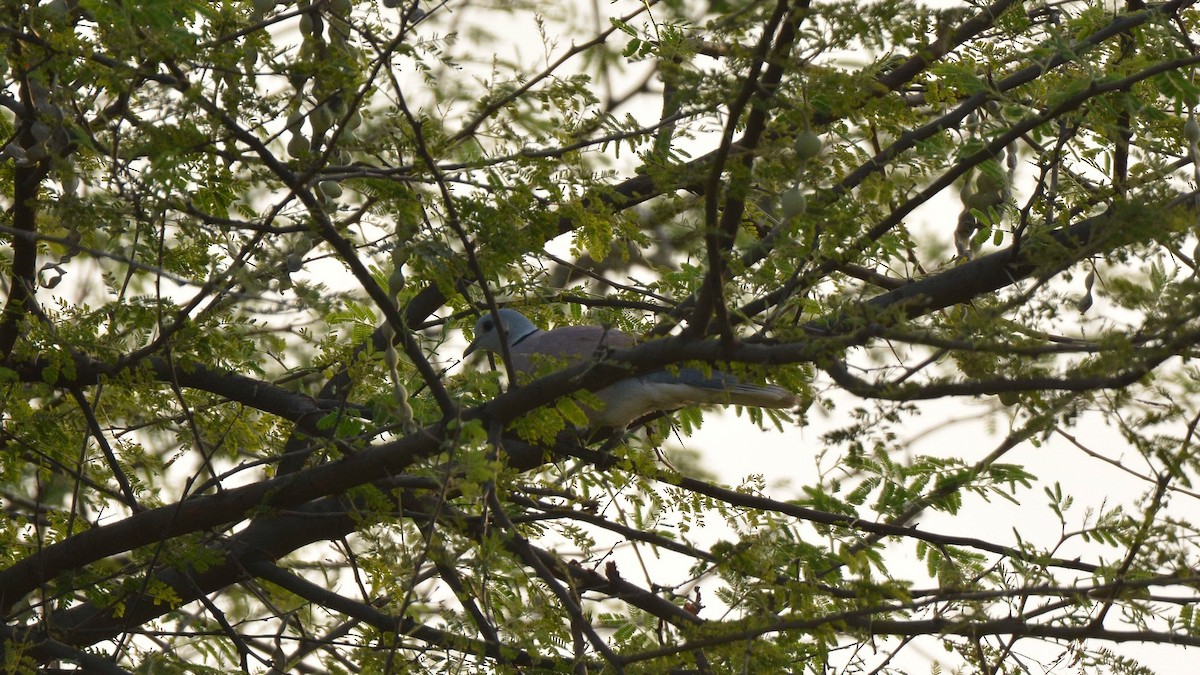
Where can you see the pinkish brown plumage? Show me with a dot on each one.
(625, 401)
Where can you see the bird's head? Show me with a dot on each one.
(487, 335)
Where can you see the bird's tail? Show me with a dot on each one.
(763, 396)
(723, 388)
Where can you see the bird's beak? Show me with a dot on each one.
(471, 348)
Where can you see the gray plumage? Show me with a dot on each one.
(628, 399)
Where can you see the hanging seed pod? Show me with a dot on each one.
(295, 262)
(69, 179)
(1191, 130)
(36, 153)
(298, 146)
(321, 116)
(807, 145)
(40, 131)
(400, 254)
(264, 6)
(1085, 303)
(14, 152)
(968, 195)
(307, 24)
(982, 199)
(396, 282)
(331, 189)
(793, 202)
(991, 178)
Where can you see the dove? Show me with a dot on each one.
(628, 399)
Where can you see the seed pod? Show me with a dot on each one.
(1191, 130)
(967, 195)
(396, 281)
(400, 254)
(793, 202)
(264, 6)
(807, 145)
(991, 178)
(295, 262)
(55, 8)
(40, 131)
(69, 179)
(331, 189)
(322, 116)
(982, 199)
(298, 145)
(15, 152)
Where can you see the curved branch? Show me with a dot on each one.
(403, 625)
(959, 284)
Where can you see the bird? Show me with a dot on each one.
(628, 399)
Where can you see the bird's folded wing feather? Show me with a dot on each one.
(566, 346)
(631, 398)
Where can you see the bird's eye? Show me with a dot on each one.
(488, 326)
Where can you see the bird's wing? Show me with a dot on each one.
(566, 346)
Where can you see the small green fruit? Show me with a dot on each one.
(807, 145)
(321, 116)
(793, 202)
(331, 189)
(396, 281)
(990, 179)
(982, 199)
(1191, 130)
(298, 145)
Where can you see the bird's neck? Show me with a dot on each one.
(518, 340)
